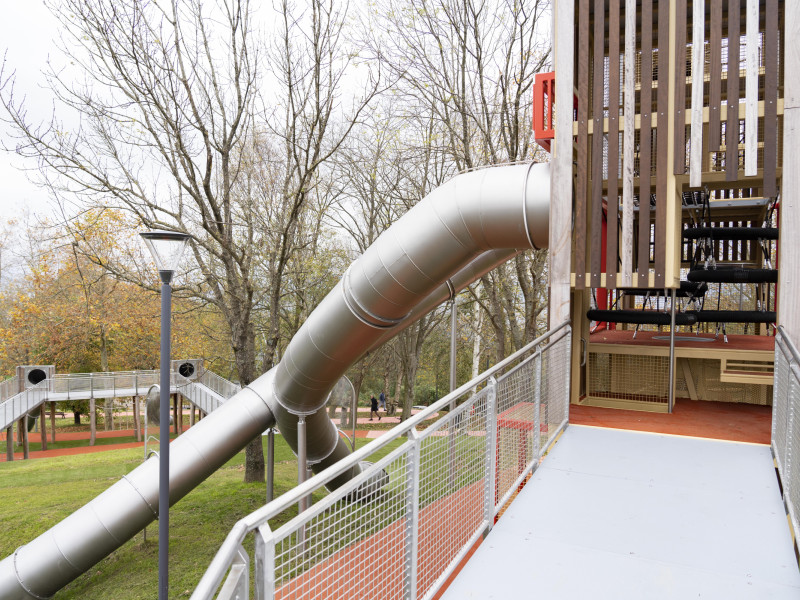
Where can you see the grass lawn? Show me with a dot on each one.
(36, 494)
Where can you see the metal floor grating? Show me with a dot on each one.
(621, 514)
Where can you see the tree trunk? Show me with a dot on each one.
(137, 423)
(244, 349)
(412, 363)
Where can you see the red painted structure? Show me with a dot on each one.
(544, 94)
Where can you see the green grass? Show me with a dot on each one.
(36, 494)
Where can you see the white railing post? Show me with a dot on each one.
(265, 563)
(537, 409)
(491, 453)
(412, 514)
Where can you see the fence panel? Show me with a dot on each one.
(402, 527)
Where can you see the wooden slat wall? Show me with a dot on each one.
(751, 92)
(598, 87)
(698, 64)
(679, 159)
(771, 97)
(723, 27)
(662, 140)
(613, 144)
(583, 134)
(644, 142)
(732, 128)
(627, 161)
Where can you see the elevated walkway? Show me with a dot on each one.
(621, 514)
(208, 391)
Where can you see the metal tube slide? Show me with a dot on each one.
(49, 562)
(456, 234)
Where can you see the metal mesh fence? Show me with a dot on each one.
(452, 482)
(634, 377)
(348, 548)
(401, 527)
(785, 429)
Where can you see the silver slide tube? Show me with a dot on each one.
(49, 562)
(398, 279)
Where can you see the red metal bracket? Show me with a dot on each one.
(544, 94)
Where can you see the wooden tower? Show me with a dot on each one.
(674, 196)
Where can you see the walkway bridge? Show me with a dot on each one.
(501, 498)
(207, 391)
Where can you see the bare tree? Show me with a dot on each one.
(168, 130)
(470, 66)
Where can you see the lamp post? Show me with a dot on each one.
(167, 248)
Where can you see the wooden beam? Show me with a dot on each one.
(662, 144)
(715, 80)
(646, 107)
(698, 63)
(560, 246)
(679, 155)
(732, 127)
(788, 280)
(612, 212)
(771, 94)
(583, 154)
(598, 87)
(629, 111)
(751, 92)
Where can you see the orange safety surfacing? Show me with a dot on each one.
(714, 420)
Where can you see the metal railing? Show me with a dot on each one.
(218, 384)
(786, 423)
(401, 527)
(20, 404)
(8, 388)
(207, 393)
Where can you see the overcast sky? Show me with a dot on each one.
(26, 33)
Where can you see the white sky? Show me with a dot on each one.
(27, 31)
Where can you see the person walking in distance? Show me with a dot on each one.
(373, 407)
(382, 401)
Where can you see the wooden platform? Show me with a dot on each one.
(645, 339)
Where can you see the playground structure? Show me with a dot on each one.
(684, 180)
(35, 388)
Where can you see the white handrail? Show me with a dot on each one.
(222, 561)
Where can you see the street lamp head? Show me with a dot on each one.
(167, 248)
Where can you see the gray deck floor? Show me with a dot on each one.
(619, 514)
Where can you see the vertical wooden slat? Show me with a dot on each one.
(561, 183)
(613, 144)
(598, 88)
(715, 74)
(751, 92)
(788, 282)
(698, 63)
(679, 160)
(583, 135)
(771, 98)
(646, 102)
(662, 140)
(732, 128)
(628, 140)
